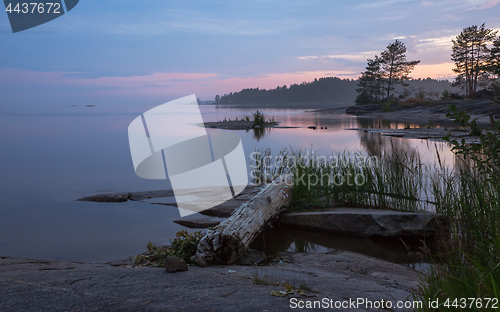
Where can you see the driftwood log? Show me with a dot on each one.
(230, 239)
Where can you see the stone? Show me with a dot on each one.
(174, 264)
(123, 197)
(199, 223)
(107, 198)
(102, 287)
(365, 222)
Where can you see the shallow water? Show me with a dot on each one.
(47, 161)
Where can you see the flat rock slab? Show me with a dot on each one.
(124, 196)
(365, 222)
(32, 285)
(223, 210)
(199, 223)
(434, 134)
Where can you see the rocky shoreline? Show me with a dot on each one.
(419, 113)
(34, 285)
(349, 221)
(433, 134)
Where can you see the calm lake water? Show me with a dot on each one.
(48, 161)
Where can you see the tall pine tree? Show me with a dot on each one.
(471, 56)
(384, 73)
(370, 83)
(395, 67)
(494, 61)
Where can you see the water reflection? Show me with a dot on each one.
(259, 133)
(335, 138)
(397, 250)
(74, 160)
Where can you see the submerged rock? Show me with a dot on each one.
(174, 264)
(365, 222)
(199, 223)
(107, 198)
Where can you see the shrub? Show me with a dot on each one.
(363, 98)
(386, 106)
(445, 95)
(183, 246)
(259, 119)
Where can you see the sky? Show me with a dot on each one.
(124, 54)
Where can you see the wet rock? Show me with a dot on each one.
(225, 210)
(365, 222)
(174, 264)
(123, 197)
(107, 198)
(199, 223)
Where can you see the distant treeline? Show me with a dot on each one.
(322, 90)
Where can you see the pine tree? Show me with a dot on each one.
(494, 66)
(471, 57)
(370, 83)
(394, 65)
(494, 61)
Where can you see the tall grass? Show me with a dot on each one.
(470, 197)
(467, 264)
(470, 252)
(395, 180)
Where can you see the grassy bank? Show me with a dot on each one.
(396, 180)
(467, 264)
(470, 197)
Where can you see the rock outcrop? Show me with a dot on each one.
(365, 222)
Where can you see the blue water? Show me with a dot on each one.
(49, 160)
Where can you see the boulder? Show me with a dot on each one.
(174, 264)
(365, 222)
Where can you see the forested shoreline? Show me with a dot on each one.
(322, 90)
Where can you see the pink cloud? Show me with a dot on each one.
(489, 4)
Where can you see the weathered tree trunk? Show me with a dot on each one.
(230, 239)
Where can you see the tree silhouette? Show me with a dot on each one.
(395, 67)
(370, 83)
(471, 56)
(494, 65)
